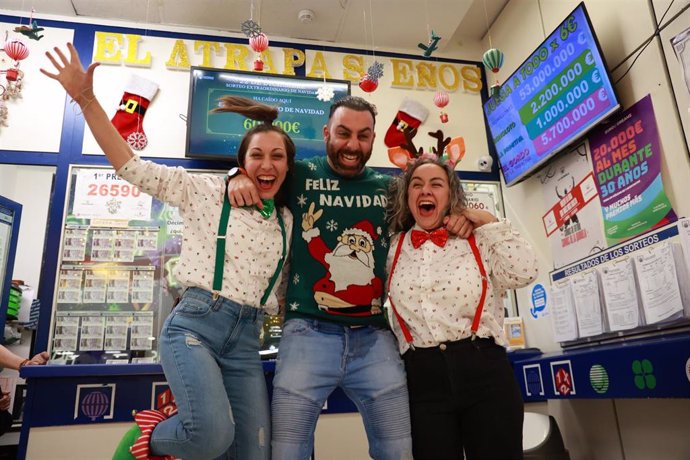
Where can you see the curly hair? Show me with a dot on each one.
(265, 114)
(398, 214)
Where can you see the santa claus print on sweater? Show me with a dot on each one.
(350, 286)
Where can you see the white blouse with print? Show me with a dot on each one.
(253, 244)
(436, 290)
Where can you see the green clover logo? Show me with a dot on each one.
(644, 374)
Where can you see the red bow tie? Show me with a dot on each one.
(438, 237)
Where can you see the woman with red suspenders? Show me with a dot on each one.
(446, 309)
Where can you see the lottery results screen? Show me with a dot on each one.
(560, 92)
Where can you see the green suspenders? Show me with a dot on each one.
(220, 250)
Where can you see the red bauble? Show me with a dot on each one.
(368, 85)
(12, 74)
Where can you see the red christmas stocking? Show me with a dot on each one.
(411, 115)
(129, 118)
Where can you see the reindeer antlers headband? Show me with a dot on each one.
(449, 151)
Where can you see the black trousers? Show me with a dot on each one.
(464, 397)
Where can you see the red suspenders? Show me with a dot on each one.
(485, 284)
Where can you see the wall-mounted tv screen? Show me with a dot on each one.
(302, 114)
(560, 92)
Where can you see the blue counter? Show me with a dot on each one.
(657, 367)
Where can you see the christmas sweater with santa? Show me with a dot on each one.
(339, 245)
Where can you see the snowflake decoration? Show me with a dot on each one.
(378, 176)
(294, 306)
(302, 200)
(312, 166)
(384, 243)
(325, 93)
(379, 231)
(295, 279)
(332, 225)
(137, 140)
(375, 71)
(251, 28)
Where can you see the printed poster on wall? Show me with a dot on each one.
(572, 221)
(627, 168)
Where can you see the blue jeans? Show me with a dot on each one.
(210, 354)
(316, 357)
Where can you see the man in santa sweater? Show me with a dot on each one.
(335, 334)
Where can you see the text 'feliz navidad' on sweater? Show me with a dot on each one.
(253, 247)
(436, 290)
(339, 245)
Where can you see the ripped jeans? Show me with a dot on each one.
(210, 355)
(317, 356)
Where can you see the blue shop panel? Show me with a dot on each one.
(647, 368)
(73, 395)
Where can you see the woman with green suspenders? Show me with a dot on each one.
(232, 262)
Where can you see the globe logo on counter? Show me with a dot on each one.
(599, 378)
(95, 405)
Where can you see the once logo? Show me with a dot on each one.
(599, 378)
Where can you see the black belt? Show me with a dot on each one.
(479, 342)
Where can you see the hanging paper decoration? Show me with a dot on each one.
(370, 81)
(431, 46)
(31, 31)
(441, 100)
(251, 28)
(258, 43)
(15, 50)
(3, 110)
(493, 60)
(325, 92)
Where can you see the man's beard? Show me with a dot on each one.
(335, 160)
(346, 271)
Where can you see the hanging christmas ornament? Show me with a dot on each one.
(325, 92)
(258, 43)
(370, 81)
(368, 85)
(17, 51)
(441, 100)
(3, 111)
(431, 46)
(493, 60)
(251, 28)
(32, 30)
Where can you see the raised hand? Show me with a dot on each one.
(71, 75)
(79, 85)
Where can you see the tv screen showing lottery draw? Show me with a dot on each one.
(560, 92)
(303, 104)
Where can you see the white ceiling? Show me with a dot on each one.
(378, 24)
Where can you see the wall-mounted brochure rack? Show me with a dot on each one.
(623, 318)
(639, 287)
